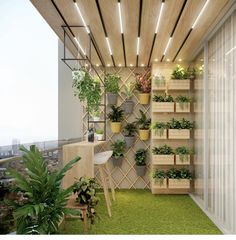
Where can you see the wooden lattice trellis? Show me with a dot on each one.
(125, 176)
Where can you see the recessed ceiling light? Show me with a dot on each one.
(155, 59)
(108, 64)
(159, 17)
(201, 59)
(81, 16)
(180, 60)
(86, 65)
(119, 65)
(120, 18)
(131, 65)
(97, 65)
(142, 65)
(167, 59)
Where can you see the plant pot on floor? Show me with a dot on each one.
(117, 161)
(116, 127)
(129, 141)
(140, 170)
(128, 106)
(112, 98)
(144, 134)
(144, 98)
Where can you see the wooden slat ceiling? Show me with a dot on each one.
(130, 17)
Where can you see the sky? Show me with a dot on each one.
(28, 75)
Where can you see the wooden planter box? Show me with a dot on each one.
(185, 109)
(157, 185)
(184, 162)
(163, 107)
(156, 136)
(179, 134)
(179, 183)
(178, 84)
(163, 159)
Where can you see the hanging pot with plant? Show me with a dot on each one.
(140, 159)
(129, 131)
(116, 115)
(143, 86)
(143, 124)
(118, 148)
(112, 88)
(129, 92)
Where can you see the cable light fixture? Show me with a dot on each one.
(122, 30)
(109, 46)
(159, 17)
(120, 18)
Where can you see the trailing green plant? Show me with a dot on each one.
(163, 150)
(182, 124)
(118, 148)
(183, 153)
(159, 128)
(180, 73)
(182, 173)
(140, 157)
(159, 176)
(129, 90)
(185, 174)
(143, 122)
(45, 200)
(143, 82)
(85, 189)
(99, 131)
(116, 114)
(87, 89)
(159, 80)
(130, 129)
(182, 100)
(161, 98)
(112, 83)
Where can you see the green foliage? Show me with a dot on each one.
(183, 153)
(85, 189)
(159, 80)
(182, 173)
(183, 99)
(159, 176)
(99, 131)
(165, 98)
(118, 148)
(140, 157)
(87, 89)
(130, 129)
(159, 128)
(143, 122)
(180, 73)
(46, 201)
(116, 114)
(129, 90)
(112, 83)
(182, 124)
(163, 150)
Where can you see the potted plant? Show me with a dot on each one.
(159, 177)
(116, 115)
(163, 103)
(143, 86)
(163, 155)
(183, 103)
(179, 129)
(87, 89)
(112, 88)
(129, 92)
(86, 190)
(159, 130)
(96, 116)
(179, 79)
(129, 130)
(143, 124)
(45, 201)
(160, 82)
(99, 134)
(179, 178)
(183, 155)
(140, 159)
(118, 148)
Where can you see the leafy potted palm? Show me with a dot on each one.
(118, 148)
(140, 159)
(116, 115)
(179, 178)
(143, 86)
(163, 155)
(163, 103)
(183, 155)
(129, 92)
(99, 134)
(159, 130)
(143, 124)
(129, 134)
(183, 103)
(159, 179)
(179, 79)
(179, 129)
(112, 88)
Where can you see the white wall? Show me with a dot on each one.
(70, 110)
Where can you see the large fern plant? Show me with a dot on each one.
(46, 201)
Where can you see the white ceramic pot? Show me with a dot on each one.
(99, 137)
(96, 119)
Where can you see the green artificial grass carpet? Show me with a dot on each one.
(140, 212)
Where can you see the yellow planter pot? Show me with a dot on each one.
(144, 98)
(116, 127)
(143, 134)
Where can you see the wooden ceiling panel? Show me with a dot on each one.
(169, 16)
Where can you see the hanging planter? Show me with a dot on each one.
(140, 159)
(112, 98)
(144, 134)
(116, 116)
(144, 124)
(112, 88)
(118, 148)
(129, 92)
(129, 131)
(144, 98)
(116, 127)
(128, 106)
(143, 86)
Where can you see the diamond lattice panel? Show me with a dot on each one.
(125, 176)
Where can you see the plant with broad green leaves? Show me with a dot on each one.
(159, 176)
(143, 122)
(112, 83)
(129, 90)
(163, 150)
(85, 189)
(182, 173)
(45, 200)
(182, 124)
(130, 129)
(161, 98)
(87, 89)
(118, 148)
(140, 157)
(180, 73)
(159, 128)
(116, 114)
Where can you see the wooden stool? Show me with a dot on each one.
(72, 204)
(101, 161)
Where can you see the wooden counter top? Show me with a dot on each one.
(86, 144)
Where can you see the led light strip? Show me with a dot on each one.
(108, 45)
(121, 24)
(167, 46)
(231, 50)
(138, 44)
(159, 17)
(80, 47)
